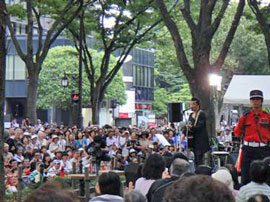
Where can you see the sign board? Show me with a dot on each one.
(162, 140)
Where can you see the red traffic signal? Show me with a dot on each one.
(75, 98)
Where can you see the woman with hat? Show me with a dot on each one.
(53, 145)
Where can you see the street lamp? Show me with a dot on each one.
(64, 81)
(215, 81)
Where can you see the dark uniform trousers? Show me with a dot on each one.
(250, 154)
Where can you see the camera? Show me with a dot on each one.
(95, 149)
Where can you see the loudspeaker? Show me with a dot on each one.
(175, 112)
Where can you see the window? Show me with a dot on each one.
(9, 67)
(20, 73)
(15, 68)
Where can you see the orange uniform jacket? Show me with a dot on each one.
(253, 129)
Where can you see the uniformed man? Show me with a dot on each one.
(254, 130)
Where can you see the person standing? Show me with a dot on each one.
(196, 128)
(254, 130)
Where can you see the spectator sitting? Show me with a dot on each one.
(19, 155)
(258, 173)
(199, 188)
(152, 170)
(109, 188)
(158, 188)
(223, 175)
(203, 170)
(37, 175)
(6, 154)
(258, 198)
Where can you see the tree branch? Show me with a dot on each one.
(223, 53)
(219, 17)
(51, 34)
(178, 43)
(30, 23)
(253, 4)
(13, 37)
(187, 16)
(40, 35)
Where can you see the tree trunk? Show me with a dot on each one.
(2, 96)
(95, 104)
(200, 89)
(73, 115)
(31, 100)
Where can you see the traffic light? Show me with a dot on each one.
(113, 103)
(75, 98)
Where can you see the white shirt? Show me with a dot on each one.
(143, 185)
(252, 189)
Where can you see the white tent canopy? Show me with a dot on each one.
(241, 85)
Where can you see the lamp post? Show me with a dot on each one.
(76, 103)
(215, 81)
(64, 81)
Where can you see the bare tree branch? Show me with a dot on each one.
(223, 53)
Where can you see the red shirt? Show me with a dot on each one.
(253, 125)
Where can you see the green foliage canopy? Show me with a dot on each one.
(65, 59)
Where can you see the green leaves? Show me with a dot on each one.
(65, 59)
(17, 10)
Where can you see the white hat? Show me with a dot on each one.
(27, 134)
(34, 136)
(132, 151)
(54, 136)
(224, 176)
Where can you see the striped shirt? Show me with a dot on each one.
(252, 189)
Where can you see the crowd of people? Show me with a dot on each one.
(45, 151)
(157, 161)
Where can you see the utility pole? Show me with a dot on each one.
(80, 118)
(2, 94)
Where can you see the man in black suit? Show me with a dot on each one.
(196, 128)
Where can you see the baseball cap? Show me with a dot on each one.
(256, 94)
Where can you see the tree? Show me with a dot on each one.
(2, 96)
(202, 30)
(131, 21)
(33, 11)
(262, 16)
(64, 59)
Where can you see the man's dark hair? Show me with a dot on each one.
(266, 160)
(198, 188)
(263, 198)
(258, 171)
(109, 183)
(153, 167)
(52, 192)
(180, 155)
(203, 170)
(194, 99)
